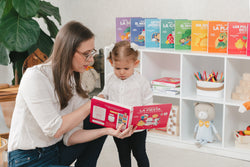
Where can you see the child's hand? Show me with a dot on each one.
(127, 132)
(101, 96)
(122, 134)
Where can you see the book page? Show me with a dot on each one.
(109, 114)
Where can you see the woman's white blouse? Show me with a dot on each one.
(37, 115)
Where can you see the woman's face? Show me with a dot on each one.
(83, 56)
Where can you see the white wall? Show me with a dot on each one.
(99, 15)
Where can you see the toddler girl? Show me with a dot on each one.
(128, 87)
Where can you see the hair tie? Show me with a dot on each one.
(134, 46)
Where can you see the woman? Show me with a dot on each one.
(51, 104)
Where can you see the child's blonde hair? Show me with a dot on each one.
(123, 50)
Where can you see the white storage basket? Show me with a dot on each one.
(210, 89)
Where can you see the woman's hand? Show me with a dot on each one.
(122, 134)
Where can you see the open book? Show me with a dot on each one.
(111, 114)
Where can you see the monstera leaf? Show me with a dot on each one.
(4, 57)
(18, 33)
(26, 8)
(44, 43)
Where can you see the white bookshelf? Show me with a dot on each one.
(156, 63)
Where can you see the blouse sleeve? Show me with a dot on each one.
(78, 101)
(40, 97)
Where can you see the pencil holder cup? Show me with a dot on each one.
(210, 89)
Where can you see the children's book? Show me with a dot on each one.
(167, 33)
(164, 88)
(123, 28)
(173, 122)
(167, 81)
(111, 114)
(217, 36)
(248, 39)
(183, 34)
(237, 38)
(138, 31)
(152, 33)
(199, 35)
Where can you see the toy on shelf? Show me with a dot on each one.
(242, 91)
(245, 106)
(204, 130)
(242, 138)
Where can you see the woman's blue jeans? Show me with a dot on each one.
(85, 154)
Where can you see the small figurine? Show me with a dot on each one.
(245, 106)
(204, 130)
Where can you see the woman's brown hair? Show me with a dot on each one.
(67, 41)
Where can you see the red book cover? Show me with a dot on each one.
(167, 81)
(110, 114)
(151, 116)
(237, 38)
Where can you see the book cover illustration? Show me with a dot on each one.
(123, 28)
(217, 36)
(151, 116)
(237, 38)
(183, 34)
(138, 31)
(199, 35)
(152, 34)
(167, 33)
(110, 114)
(167, 81)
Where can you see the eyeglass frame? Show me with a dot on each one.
(87, 56)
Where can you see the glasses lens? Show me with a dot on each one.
(91, 54)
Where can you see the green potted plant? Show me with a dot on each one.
(21, 34)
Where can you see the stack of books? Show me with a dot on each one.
(166, 86)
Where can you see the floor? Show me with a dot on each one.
(161, 156)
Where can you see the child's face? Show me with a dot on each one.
(125, 68)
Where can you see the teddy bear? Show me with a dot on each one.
(205, 130)
(89, 78)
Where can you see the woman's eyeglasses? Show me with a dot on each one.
(88, 55)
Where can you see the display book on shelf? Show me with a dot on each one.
(226, 108)
(111, 114)
(166, 85)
